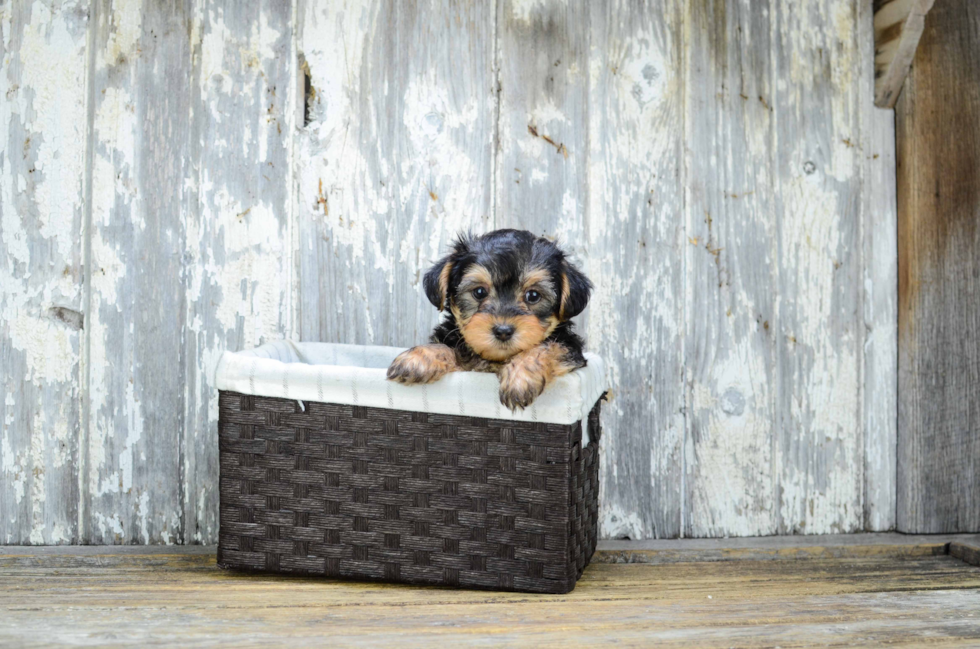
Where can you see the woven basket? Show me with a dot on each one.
(371, 493)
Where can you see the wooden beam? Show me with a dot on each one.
(898, 26)
(966, 551)
(937, 122)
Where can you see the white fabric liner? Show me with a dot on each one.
(356, 375)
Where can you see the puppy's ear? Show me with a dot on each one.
(436, 282)
(575, 291)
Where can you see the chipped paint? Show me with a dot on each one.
(126, 20)
(42, 110)
(712, 206)
(57, 103)
(237, 242)
(525, 10)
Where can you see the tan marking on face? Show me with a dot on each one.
(477, 275)
(458, 315)
(478, 334)
(529, 332)
(444, 283)
(537, 276)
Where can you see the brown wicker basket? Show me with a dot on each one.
(371, 493)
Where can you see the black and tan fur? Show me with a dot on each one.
(510, 297)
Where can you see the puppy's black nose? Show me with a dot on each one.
(503, 332)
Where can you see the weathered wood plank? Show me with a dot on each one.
(134, 330)
(898, 25)
(542, 147)
(966, 551)
(239, 227)
(779, 548)
(817, 325)
(134, 600)
(938, 145)
(754, 548)
(730, 483)
(43, 117)
(635, 258)
(395, 161)
(880, 265)
(202, 165)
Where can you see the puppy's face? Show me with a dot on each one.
(507, 291)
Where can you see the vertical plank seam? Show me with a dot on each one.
(863, 125)
(182, 535)
(193, 168)
(292, 210)
(81, 533)
(495, 140)
(587, 122)
(866, 322)
(686, 388)
(897, 356)
(903, 506)
(776, 424)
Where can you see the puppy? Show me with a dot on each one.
(510, 297)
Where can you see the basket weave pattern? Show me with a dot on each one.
(393, 495)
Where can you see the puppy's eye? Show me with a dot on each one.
(479, 292)
(532, 297)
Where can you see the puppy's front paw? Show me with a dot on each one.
(422, 364)
(520, 384)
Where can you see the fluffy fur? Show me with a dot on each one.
(510, 297)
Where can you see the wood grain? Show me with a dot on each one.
(395, 161)
(291, 169)
(732, 481)
(938, 139)
(542, 153)
(44, 118)
(134, 331)
(817, 324)
(880, 286)
(898, 25)
(635, 258)
(131, 599)
(966, 551)
(239, 251)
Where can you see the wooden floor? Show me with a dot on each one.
(906, 594)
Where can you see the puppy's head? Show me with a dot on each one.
(507, 291)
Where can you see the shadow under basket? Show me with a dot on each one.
(361, 492)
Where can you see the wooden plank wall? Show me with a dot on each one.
(43, 188)
(938, 143)
(179, 180)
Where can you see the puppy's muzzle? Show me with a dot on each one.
(503, 332)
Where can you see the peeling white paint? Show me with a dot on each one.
(617, 523)
(115, 127)
(126, 20)
(39, 494)
(58, 105)
(546, 113)
(110, 527)
(12, 464)
(525, 10)
(253, 249)
(375, 213)
(142, 507)
(213, 57)
(49, 348)
(42, 110)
